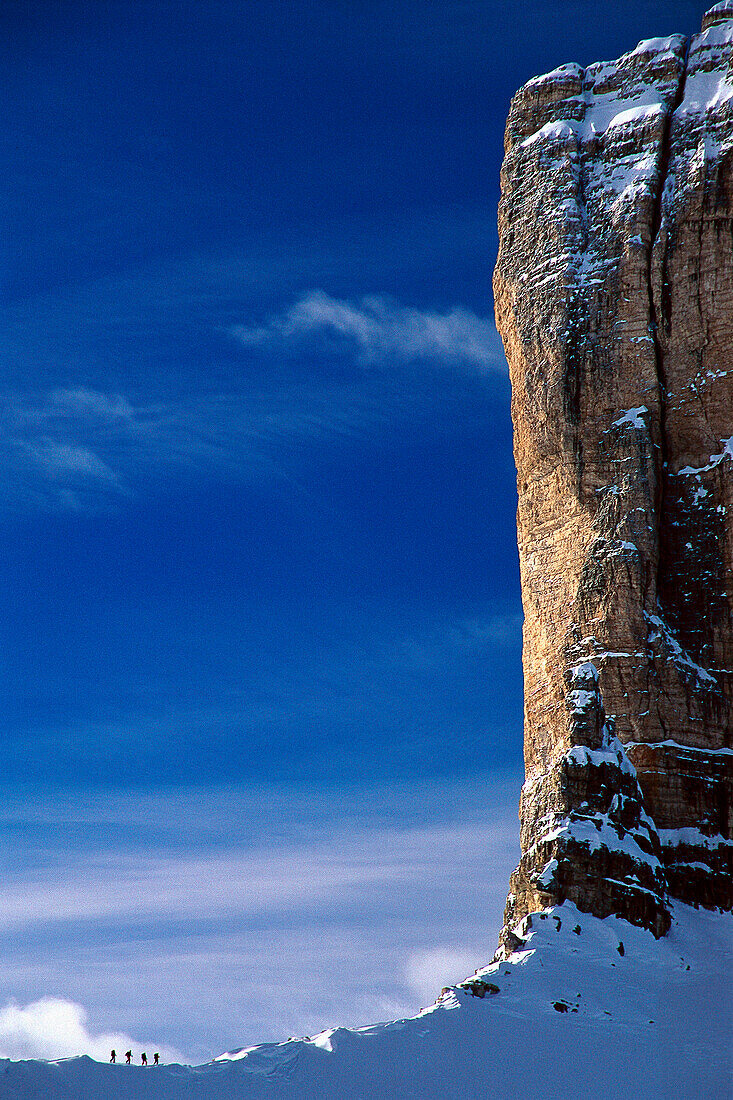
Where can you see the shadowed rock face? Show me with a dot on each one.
(614, 299)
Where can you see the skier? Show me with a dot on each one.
(113, 1056)
(155, 1059)
(144, 1058)
(128, 1056)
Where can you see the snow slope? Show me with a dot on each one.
(586, 1008)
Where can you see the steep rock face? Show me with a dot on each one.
(614, 299)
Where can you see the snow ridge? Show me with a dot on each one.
(582, 1007)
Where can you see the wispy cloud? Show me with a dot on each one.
(89, 403)
(317, 907)
(54, 1027)
(86, 450)
(83, 448)
(65, 460)
(380, 331)
(142, 886)
(59, 449)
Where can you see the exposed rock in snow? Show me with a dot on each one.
(587, 838)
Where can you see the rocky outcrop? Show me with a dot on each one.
(614, 299)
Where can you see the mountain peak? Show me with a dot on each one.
(614, 298)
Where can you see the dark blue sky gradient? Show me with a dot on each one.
(143, 130)
(251, 607)
(259, 601)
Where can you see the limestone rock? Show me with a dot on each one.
(614, 299)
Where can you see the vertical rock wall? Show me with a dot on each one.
(614, 299)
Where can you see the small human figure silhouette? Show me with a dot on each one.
(128, 1056)
(113, 1056)
(144, 1058)
(155, 1059)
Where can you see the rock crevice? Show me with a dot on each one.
(614, 299)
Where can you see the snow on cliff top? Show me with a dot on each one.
(586, 1007)
(723, 10)
(614, 93)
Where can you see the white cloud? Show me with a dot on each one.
(380, 330)
(53, 1027)
(427, 971)
(317, 907)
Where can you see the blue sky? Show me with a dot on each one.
(257, 499)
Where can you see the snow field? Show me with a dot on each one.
(585, 1008)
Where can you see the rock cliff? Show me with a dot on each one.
(614, 299)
